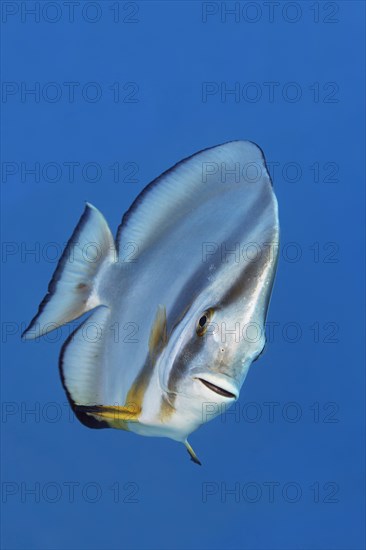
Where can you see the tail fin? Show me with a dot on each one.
(73, 289)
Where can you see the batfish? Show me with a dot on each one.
(178, 300)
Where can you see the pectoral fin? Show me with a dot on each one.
(158, 334)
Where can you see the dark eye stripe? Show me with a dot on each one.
(182, 361)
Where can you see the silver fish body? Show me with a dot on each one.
(179, 300)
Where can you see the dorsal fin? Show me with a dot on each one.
(176, 191)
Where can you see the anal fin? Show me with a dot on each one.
(81, 365)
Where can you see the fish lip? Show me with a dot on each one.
(217, 389)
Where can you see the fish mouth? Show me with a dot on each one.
(217, 389)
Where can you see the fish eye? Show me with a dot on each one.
(203, 322)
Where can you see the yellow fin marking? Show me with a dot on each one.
(158, 335)
(157, 341)
(111, 412)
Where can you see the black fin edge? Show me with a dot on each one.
(83, 417)
(195, 460)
